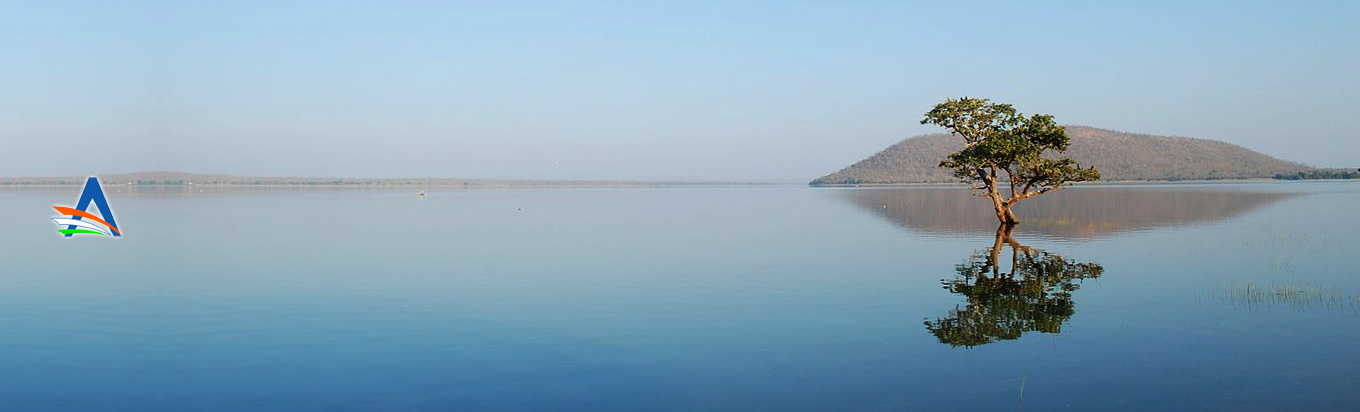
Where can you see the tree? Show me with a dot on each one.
(1002, 145)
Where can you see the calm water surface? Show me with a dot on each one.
(1184, 297)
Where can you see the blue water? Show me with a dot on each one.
(1210, 297)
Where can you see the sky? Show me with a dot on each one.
(777, 91)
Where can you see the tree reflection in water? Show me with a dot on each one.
(1036, 295)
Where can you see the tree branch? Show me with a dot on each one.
(1032, 194)
(1011, 178)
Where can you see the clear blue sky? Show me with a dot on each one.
(733, 90)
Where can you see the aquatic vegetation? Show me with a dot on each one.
(1291, 295)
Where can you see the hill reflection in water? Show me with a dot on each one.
(1071, 213)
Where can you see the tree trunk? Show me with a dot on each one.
(1004, 213)
(1002, 207)
(1010, 218)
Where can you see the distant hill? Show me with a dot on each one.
(1119, 156)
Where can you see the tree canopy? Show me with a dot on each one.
(1004, 145)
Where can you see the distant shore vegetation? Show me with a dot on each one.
(176, 179)
(1321, 174)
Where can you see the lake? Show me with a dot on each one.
(1206, 297)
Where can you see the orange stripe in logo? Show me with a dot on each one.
(82, 213)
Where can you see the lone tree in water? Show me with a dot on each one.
(1005, 147)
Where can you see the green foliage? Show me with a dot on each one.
(1005, 145)
(1001, 139)
(846, 182)
(1317, 174)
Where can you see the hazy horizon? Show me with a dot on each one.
(751, 91)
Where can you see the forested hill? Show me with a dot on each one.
(1119, 156)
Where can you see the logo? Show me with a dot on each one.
(93, 193)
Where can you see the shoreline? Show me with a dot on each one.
(1093, 184)
(624, 185)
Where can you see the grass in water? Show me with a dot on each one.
(1297, 296)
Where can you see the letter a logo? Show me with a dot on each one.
(75, 223)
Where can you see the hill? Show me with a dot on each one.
(1119, 156)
